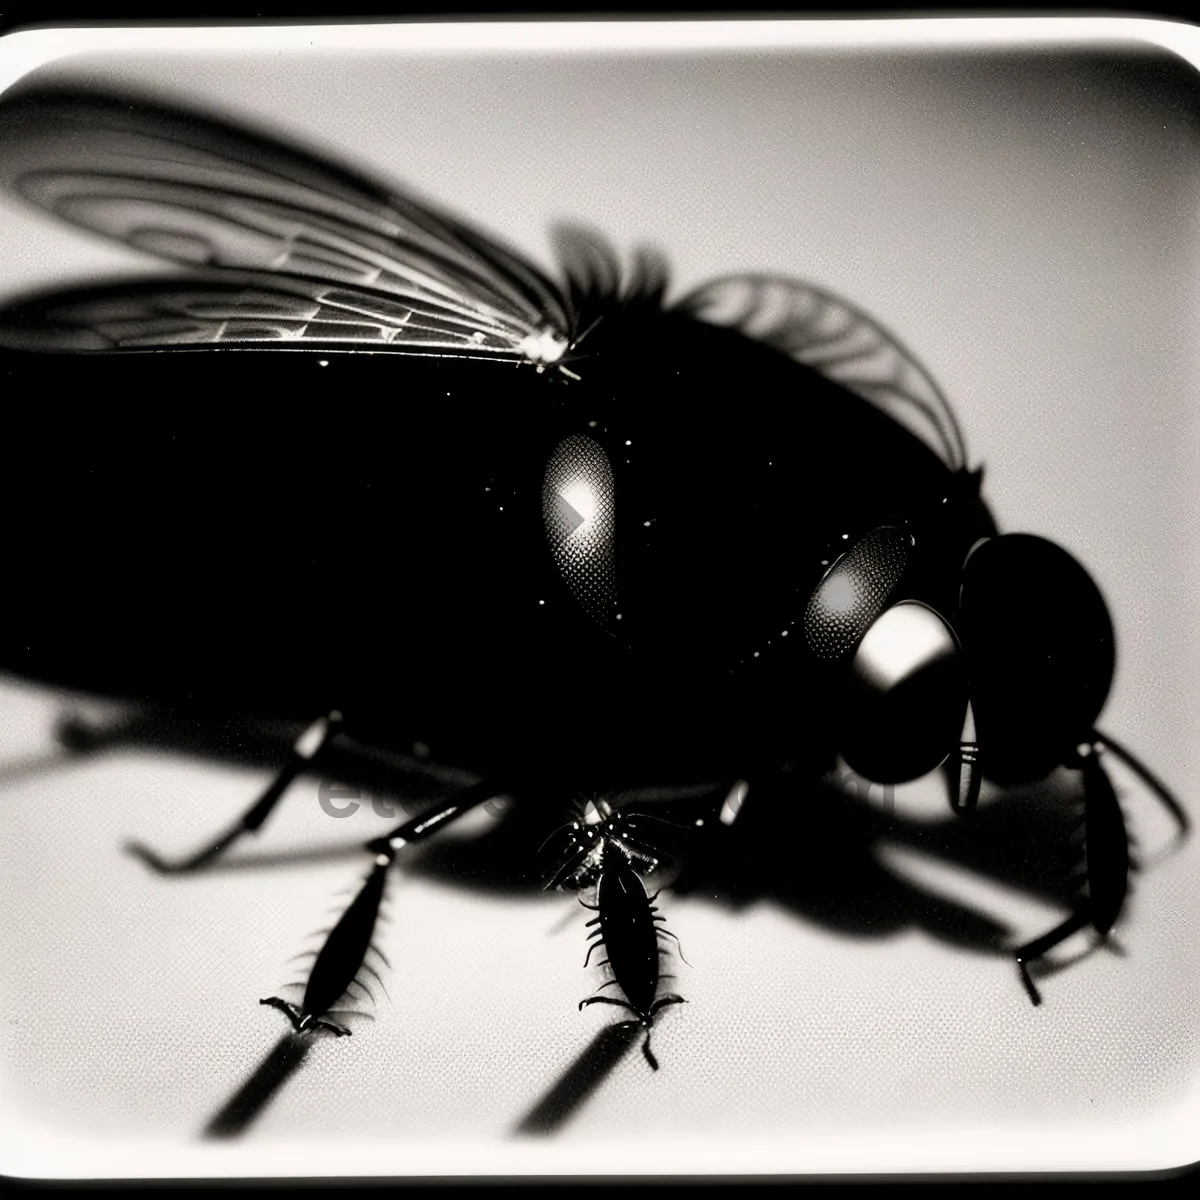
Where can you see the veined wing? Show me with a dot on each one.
(197, 191)
(840, 341)
(239, 310)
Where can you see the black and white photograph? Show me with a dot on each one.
(600, 598)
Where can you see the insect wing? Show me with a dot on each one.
(824, 332)
(199, 192)
(237, 310)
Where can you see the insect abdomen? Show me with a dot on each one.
(630, 938)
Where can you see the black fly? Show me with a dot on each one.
(583, 518)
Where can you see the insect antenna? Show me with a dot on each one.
(644, 816)
(572, 825)
(569, 867)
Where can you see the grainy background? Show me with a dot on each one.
(1027, 223)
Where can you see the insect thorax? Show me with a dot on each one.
(544, 347)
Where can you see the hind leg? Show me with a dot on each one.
(310, 743)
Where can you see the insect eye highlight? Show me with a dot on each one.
(580, 520)
(854, 591)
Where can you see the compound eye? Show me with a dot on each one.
(580, 519)
(1040, 640)
(854, 591)
(906, 695)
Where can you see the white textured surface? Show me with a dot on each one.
(1031, 233)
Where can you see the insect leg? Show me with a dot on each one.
(1156, 785)
(349, 942)
(425, 824)
(606, 1000)
(654, 1008)
(338, 962)
(678, 943)
(307, 746)
(304, 1022)
(290, 1011)
(332, 1026)
(1038, 947)
(362, 987)
(646, 1052)
(570, 865)
(373, 949)
(964, 769)
(379, 978)
(589, 953)
(663, 1001)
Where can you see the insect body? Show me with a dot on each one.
(629, 930)
(628, 925)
